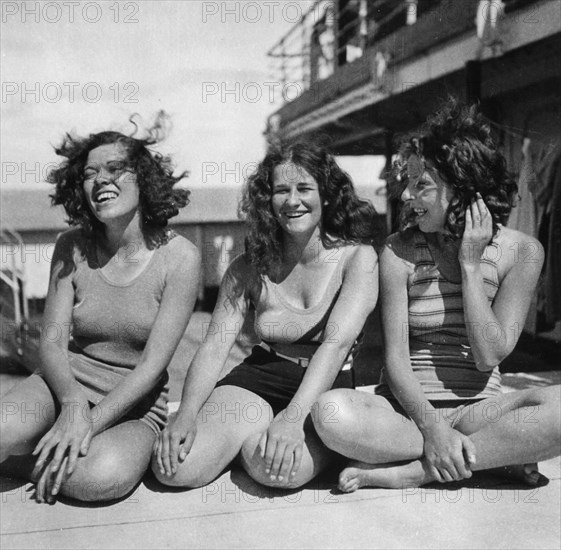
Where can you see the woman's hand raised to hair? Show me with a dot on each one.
(478, 233)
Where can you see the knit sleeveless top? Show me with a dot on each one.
(295, 331)
(111, 323)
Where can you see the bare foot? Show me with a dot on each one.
(394, 475)
(527, 473)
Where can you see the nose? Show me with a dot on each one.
(101, 177)
(406, 194)
(293, 197)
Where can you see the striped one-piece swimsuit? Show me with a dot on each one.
(437, 333)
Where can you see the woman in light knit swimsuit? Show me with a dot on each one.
(95, 408)
(311, 274)
(456, 286)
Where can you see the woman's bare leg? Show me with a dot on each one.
(226, 420)
(116, 460)
(28, 411)
(316, 457)
(521, 428)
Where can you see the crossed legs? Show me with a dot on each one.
(519, 428)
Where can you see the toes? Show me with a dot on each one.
(344, 477)
(347, 482)
(354, 486)
(536, 479)
(532, 475)
(349, 487)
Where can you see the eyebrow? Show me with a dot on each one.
(110, 161)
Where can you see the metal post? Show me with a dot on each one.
(473, 81)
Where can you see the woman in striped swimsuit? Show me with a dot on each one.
(456, 286)
(310, 272)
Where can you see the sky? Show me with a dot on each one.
(86, 67)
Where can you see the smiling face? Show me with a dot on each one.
(110, 186)
(296, 200)
(427, 195)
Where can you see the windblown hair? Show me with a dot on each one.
(159, 200)
(345, 217)
(457, 140)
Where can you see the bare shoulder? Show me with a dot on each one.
(402, 244)
(398, 253)
(70, 247)
(182, 251)
(360, 256)
(182, 246)
(518, 251)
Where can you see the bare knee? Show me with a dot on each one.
(335, 415)
(16, 438)
(549, 400)
(542, 403)
(8, 438)
(550, 396)
(188, 475)
(255, 467)
(101, 478)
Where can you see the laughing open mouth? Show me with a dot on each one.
(105, 196)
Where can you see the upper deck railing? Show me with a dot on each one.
(334, 34)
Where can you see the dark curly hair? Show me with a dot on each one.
(159, 201)
(345, 217)
(457, 140)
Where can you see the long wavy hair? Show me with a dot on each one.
(345, 217)
(159, 199)
(458, 141)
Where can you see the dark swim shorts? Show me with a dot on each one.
(274, 379)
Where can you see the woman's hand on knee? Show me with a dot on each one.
(173, 445)
(51, 479)
(58, 450)
(449, 453)
(70, 436)
(282, 447)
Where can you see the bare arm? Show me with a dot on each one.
(357, 299)
(57, 320)
(447, 451)
(225, 325)
(494, 328)
(72, 431)
(394, 273)
(282, 444)
(231, 308)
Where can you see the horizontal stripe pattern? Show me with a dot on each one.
(437, 333)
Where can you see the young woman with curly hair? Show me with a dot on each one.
(310, 272)
(456, 285)
(110, 327)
